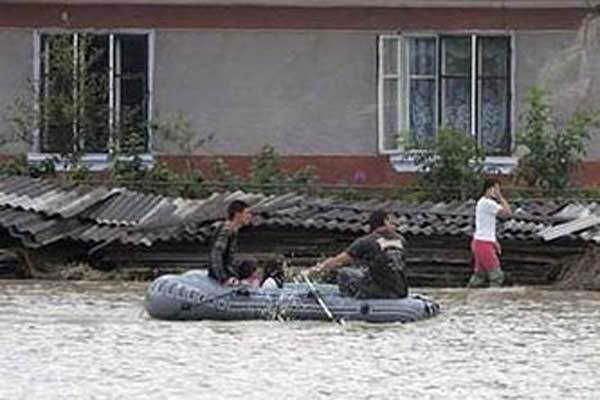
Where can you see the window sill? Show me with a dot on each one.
(92, 161)
(404, 161)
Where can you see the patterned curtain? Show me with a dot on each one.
(422, 89)
(456, 83)
(453, 69)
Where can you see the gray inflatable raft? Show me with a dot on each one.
(194, 296)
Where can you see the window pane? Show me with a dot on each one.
(93, 95)
(390, 56)
(456, 110)
(390, 108)
(422, 56)
(494, 53)
(422, 110)
(494, 118)
(456, 53)
(133, 99)
(134, 53)
(56, 94)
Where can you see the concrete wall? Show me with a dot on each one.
(16, 65)
(568, 71)
(305, 92)
(534, 51)
(302, 92)
(315, 93)
(567, 66)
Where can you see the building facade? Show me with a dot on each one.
(336, 84)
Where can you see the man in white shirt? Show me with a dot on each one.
(484, 246)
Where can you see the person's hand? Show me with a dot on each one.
(498, 249)
(233, 281)
(314, 269)
(498, 191)
(494, 192)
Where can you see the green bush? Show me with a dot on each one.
(266, 175)
(266, 168)
(15, 166)
(555, 148)
(451, 167)
(223, 176)
(19, 166)
(158, 179)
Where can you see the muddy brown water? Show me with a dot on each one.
(91, 340)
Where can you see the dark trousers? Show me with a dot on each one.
(354, 282)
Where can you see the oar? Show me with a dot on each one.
(320, 300)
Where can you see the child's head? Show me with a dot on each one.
(247, 267)
(274, 267)
(488, 186)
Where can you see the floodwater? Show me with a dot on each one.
(91, 340)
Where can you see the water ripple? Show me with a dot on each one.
(88, 341)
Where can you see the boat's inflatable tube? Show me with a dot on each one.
(194, 296)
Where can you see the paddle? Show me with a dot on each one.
(313, 290)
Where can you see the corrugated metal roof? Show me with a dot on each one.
(49, 198)
(42, 212)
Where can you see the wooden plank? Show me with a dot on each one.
(568, 228)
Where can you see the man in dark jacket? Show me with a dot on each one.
(382, 253)
(222, 262)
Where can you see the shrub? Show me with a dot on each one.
(268, 173)
(451, 165)
(555, 147)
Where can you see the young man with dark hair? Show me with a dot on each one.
(382, 252)
(223, 267)
(484, 246)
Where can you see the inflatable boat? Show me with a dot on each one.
(194, 296)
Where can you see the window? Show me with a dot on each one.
(93, 92)
(456, 81)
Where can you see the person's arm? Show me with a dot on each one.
(505, 209)
(335, 262)
(217, 253)
(232, 267)
(339, 260)
(354, 251)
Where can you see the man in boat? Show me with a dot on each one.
(382, 253)
(224, 246)
(484, 246)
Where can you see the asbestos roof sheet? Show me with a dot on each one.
(40, 212)
(50, 198)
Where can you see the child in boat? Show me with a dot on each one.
(248, 272)
(273, 274)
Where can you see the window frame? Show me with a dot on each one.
(95, 161)
(403, 158)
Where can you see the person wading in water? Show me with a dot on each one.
(382, 252)
(223, 267)
(484, 246)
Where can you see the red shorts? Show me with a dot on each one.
(485, 256)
